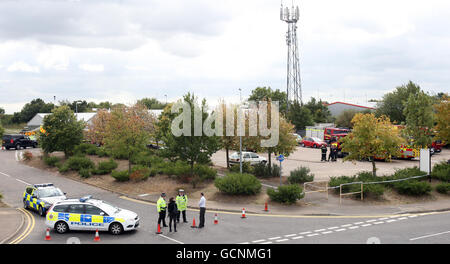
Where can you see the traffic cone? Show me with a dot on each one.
(215, 220)
(97, 237)
(159, 230)
(193, 224)
(265, 207)
(47, 235)
(243, 213)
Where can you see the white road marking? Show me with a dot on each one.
(353, 227)
(412, 216)
(5, 174)
(370, 221)
(437, 234)
(273, 238)
(358, 223)
(304, 233)
(290, 235)
(176, 241)
(333, 227)
(390, 221)
(384, 218)
(346, 225)
(311, 235)
(282, 240)
(270, 242)
(319, 230)
(297, 237)
(145, 194)
(377, 223)
(339, 230)
(257, 241)
(15, 178)
(402, 218)
(366, 225)
(327, 232)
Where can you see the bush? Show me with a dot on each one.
(27, 155)
(300, 175)
(412, 187)
(105, 167)
(85, 173)
(287, 194)
(142, 158)
(441, 171)
(85, 148)
(262, 170)
(443, 188)
(336, 181)
(375, 190)
(101, 152)
(205, 172)
(51, 161)
(79, 162)
(139, 173)
(276, 171)
(246, 168)
(63, 168)
(236, 183)
(121, 176)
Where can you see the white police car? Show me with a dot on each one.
(90, 214)
(41, 196)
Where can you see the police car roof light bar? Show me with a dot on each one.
(43, 185)
(85, 198)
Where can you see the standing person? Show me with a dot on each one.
(161, 206)
(330, 156)
(335, 150)
(202, 205)
(173, 212)
(324, 152)
(182, 201)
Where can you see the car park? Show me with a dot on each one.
(18, 142)
(40, 197)
(251, 157)
(90, 214)
(313, 142)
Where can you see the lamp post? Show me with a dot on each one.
(76, 106)
(240, 137)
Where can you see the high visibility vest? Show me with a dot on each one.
(161, 204)
(182, 202)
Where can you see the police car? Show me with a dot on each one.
(90, 214)
(40, 197)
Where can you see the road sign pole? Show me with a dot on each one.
(280, 172)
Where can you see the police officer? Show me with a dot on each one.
(324, 152)
(182, 201)
(335, 150)
(161, 206)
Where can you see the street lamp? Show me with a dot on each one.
(240, 137)
(76, 105)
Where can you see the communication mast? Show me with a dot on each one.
(291, 15)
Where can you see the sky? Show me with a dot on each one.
(124, 50)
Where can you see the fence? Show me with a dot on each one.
(315, 188)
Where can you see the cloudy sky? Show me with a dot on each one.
(123, 50)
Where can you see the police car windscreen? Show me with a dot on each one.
(110, 209)
(50, 192)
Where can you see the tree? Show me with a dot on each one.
(152, 103)
(319, 111)
(300, 116)
(418, 112)
(62, 131)
(345, 118)
(372, 137)
(127, 131)
(2, 130)
(193, 146)
(393, 103)
(265, 93)
(229, 142)
(443, 119)
(31, 109)
(98, 127)
(2, 112)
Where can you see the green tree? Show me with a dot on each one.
(443, 119)
(319, 111)
(300, 116)
(126, 131)
(152, 103)
(62, 131)
(393, 103)
(371, 138)
(419, 119)
(193, 148)
(2, 130)
(345, 118)
(31, 109)
(264, 93)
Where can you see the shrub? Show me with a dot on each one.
(246, 168)
(261, 170)
(105, 167)
(27, 155)
(412, 187)
(139, 173)
(300, 175)
(85, 173)
(236, 183)
(85, 148)
(287, 194)
(443, 188)
(142, 158)
(63, 168)
(79, 162)
(51, 161)
(121, 176)
(205, 172)
(101, 152)
(375, 190)
(441, 171)
(336, 181)
(276, 171)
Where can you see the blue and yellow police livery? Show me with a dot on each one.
(40, 197)
(90, 214)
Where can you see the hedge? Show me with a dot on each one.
(412, 187)
(287, 194)
(51, 161)
(300, 175)
(84, 173)
(236, 183)
(443, 188)
(79, 162)
(121, 176)
(140, 173)
(441, 171)
(85, 148)
(105, 167)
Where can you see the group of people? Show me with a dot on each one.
(177, 207)
(333, 152)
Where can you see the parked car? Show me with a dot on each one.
(18, 142)
(250, 157)
(298, 138)
(313, 142)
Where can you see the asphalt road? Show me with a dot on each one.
(232, 229)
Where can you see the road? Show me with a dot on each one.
(231, 229)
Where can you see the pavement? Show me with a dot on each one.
(11, 220)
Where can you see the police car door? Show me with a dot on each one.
(95, 217)
(75, 211)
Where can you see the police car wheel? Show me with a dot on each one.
(25, 204)
(61, 227)
(41, 211)
(115, 229)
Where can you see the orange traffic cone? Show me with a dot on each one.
(47, 235)
(97, 237)
(243, 213)
(266, 208)
(159, 229)
(215, 220)
(193, 224)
